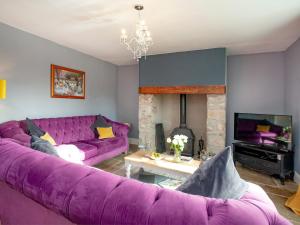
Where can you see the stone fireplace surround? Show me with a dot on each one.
(150, 113)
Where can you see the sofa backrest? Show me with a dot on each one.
(66, 130)
(87, 195)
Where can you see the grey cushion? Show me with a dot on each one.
(33, 129)
(100, 122)
(216, 178)
(42, 146)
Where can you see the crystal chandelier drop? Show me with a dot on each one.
(140, 43)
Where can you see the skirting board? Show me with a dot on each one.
(297, 177)
(133, 141)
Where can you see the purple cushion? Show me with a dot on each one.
(267, 134)
(88, 150)
(105, 145)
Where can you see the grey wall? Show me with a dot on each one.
(292, 61)
(128, 98)
(25, 63)
(255, 85)
(201, 67)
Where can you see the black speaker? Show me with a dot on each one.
(160, 138)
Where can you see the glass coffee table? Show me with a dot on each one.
(163, 167)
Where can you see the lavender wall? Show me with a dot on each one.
(292, 94)
(255, 85)
(128, 98)
(25, 62)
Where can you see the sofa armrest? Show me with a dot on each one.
(17, 141)
(120, 129)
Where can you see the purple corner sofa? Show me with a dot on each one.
(36, 188)
(76, 131)
(247, 131)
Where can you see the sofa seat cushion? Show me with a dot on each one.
(108, 144)
(88, 150)
(268, 134)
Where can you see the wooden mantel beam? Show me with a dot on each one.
(203, 89)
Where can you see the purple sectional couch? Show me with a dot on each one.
(76, 131)
(36, 188)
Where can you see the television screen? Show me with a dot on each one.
(263, 129)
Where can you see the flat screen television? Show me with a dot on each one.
(263, 129)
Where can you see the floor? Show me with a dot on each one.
(277, 192)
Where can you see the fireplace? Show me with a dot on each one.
(184, 130)
(201, 111)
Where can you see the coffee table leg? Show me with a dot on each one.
(128, 169)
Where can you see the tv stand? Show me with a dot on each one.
(264, 159)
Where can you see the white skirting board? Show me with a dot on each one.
(133, 141)
(297, 177)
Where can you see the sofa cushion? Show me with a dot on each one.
(217, 178)
(105, 132)
(89, 151)
(268, 134)
(100, 122)
(33, 129)
(47, 137)
(263, 128)
(106, 145)
(43, 146)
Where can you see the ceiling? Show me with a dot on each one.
(93, 26)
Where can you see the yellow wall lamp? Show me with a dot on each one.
(2, 89)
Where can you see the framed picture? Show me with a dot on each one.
(67, 83)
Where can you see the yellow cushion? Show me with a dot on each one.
(105, 132)
(47, 137)
(263, 128)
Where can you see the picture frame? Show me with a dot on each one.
(67, 83)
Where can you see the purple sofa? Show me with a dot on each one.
(76, 131)
(36, 188)
(247, 131)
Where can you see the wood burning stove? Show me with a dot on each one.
(183, 129)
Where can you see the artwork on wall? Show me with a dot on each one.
(67, 83)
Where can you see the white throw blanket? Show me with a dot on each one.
(70, 153)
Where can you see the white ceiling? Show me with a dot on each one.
(93, 26)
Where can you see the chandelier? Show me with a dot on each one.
(138, 44)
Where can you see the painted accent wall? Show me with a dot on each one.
(201, 67)
(255, 84)
(292, 94)
(128, 98)
(25, 62)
